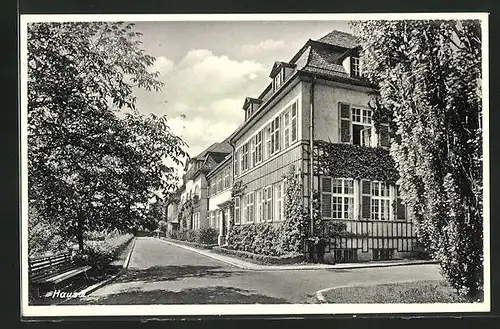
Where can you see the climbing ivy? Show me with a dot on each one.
(355, 161)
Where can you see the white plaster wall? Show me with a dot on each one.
(215, 200)
(326, 108)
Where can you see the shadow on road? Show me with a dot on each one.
(202, 295)
(174, 272)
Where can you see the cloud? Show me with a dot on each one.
(163, 65)
(203, 95)
(268, 51)
(268, 45)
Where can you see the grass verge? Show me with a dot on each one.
(431, 291)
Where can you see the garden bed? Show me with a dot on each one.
(431, 291)
(261, 259)
(191, 244)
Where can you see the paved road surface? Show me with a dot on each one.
(160, 273)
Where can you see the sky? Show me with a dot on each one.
(208, 69)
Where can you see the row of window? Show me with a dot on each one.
(278, 135)
(262, 205)
(340, 199)
(220, 182)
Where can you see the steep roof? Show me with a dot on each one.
(222, 147)
(340, 39)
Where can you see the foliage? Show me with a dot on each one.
(292, 231)
(44, 236)
(355, 161)
(99, 235)
(94, 160)
(207, 235)
(261, 238)
(286, 237)
(185, 214)
(260, 258)
(429, 291)
(99, 253)
(429, 75)
(162, 225)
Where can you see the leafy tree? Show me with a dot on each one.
(94, 161)
(429, 78)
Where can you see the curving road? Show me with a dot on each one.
(160, 273)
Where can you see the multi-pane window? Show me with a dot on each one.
(227, 175)
(257, 148)
(267, 135)
(278, 80)
(244, 157)
(237, 210)
(278, 193)
(355, 66)
(212, 218)
(380, 201)
(249, 208)
(355, 125)
(286, 129)
(275, 135)
(337, 198)
(218, 218)
(196, 220)
(268, 203)
(219, 183)
(293, 137)
(259, 215)
(237, 162)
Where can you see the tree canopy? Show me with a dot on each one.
(94, 160)
(429, 78)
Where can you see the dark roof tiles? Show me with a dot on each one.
(340, 39)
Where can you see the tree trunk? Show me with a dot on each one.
(79, 232)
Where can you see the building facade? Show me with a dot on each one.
(315, 118)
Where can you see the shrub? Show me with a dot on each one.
(289, 258)
(99, 253)
(261, 238)
(191, 235)
(44, 236)
(173, 235)
(207, 236)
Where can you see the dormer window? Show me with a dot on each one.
(355, 66)
(278, 80)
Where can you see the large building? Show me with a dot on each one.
(314, 117)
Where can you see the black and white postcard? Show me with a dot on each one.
(176, 165)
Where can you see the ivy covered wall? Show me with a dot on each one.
(354, 161)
